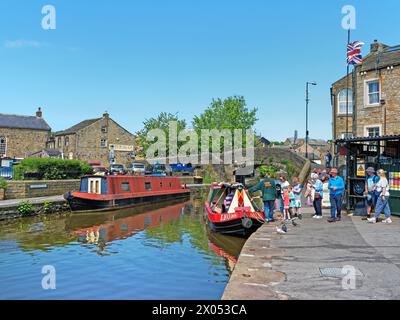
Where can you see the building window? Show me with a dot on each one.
(104, 129)
(103, 143)
(342, 102)
(3, 146)
(66, 141)
(373, 131)
(59, 142)
(147, 186)
(125, 187)
(348, 135)
(373, 92)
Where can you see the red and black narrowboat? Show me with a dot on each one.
(110, 192)
(230, 211)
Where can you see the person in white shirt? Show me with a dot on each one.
(382, 205)
(283, 184)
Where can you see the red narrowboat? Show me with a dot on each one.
(111, 192)
(230, 211)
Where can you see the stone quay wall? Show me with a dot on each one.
(39, 188)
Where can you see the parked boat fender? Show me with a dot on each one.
(247, 223)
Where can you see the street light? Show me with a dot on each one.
(307, 102)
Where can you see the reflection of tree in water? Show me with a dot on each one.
(37, 233)
(174, 232)
(46, 232)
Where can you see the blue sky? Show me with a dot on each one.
(137, 58)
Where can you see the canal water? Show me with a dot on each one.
(156, 253)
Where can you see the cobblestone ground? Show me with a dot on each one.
(307, 262)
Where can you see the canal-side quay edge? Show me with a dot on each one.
(253, 277)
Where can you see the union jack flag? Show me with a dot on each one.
(354, 56)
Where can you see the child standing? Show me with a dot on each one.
(297, 189)
(292, 206)
(286, 204)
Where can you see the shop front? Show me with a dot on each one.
(361, 153)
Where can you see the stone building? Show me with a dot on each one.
(91, 140)
(316, 148)
(374, 99)
(22, 135)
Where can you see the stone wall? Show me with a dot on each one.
(88, 142)
(340, 121)
(23, 142)
(384, 116)
(262, 154)
(302, 164)
(85, 144)
(42, 188)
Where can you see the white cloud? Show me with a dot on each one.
(21, 43)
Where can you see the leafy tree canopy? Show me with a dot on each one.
(230, 113)
(161, 122)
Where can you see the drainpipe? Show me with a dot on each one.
(382, 102)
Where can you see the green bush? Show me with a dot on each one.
(46, 207)
(290, 167)
(51, 169)
(271, 170)
(26, 208)
(3, 183)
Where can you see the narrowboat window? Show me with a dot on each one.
(147, 186)
(125, 187)
(161, 184)
(94, 186)
(170, 184)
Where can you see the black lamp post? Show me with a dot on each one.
(307, 102)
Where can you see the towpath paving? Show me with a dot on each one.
(289, 266)
(39, 200)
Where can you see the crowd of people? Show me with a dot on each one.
(287, 197)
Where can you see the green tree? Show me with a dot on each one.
(231, 113)
(162, 122)
(271, 170)
(3, 183)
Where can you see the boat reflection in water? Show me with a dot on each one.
(123, 224)
(155, 252)
(226, 247)
(105, 229)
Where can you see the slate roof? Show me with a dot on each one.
(49, 152)
(52, 152)
(77, 127)
(23, 122)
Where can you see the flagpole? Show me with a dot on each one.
(347, 126)
(347, 86)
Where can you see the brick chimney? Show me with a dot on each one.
(106, 115)
(39, 113)
(377, 46)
